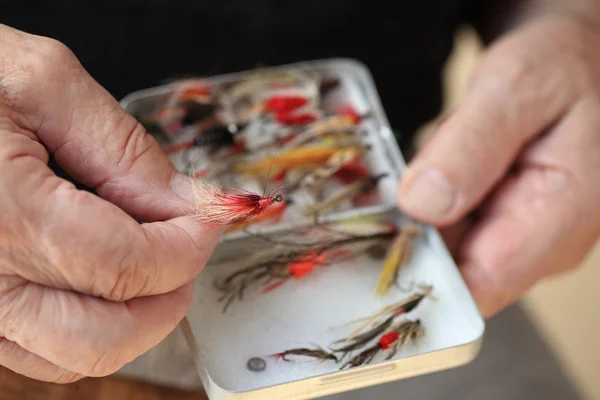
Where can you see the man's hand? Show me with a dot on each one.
(515, 170)
(84, 288)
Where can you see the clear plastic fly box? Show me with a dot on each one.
(328, 288)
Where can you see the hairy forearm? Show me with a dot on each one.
(492, 18)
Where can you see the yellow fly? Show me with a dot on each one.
(301, 157)
(398, 255)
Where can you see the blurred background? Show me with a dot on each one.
(543, 348)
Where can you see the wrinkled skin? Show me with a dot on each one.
(516, 167)
(84, 288)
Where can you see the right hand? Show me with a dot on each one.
(84, 288)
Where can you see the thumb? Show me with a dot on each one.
(92, 138)
(508, 104)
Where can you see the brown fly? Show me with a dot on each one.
(294, 262)
(363, 339)
(408, 333)
(398, 255)
(393, 310)
(405, 333)
(364, 357)
(306, 352)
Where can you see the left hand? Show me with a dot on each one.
(84, 287)
(515, 170)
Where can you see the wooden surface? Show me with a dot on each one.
(17, 387)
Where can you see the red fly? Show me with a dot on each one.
(272, 215)
(364, 338)
(217, 208)
(303, 266)
(390, 312)
(388, 340)
(288, 118)
(405, 333)
(279, 104)
(293, 263)
(385, 342)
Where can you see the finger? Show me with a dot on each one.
(21, 361)
(83, 243)
(138, 260)
(513, 98)
(93, 139)
(544, 219)
(87, 335)
(72, 239)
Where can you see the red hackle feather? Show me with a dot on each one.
(307, 264)
(278, 356)
(388, 340)
(281, 103)
(272, 215)
(288, 118)
(303, 266)
(214, 207)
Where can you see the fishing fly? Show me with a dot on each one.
(363, 339)
(399, 254)
(394, 310)
(306, 352)
(405, 333)
(214, 207)
(287, 260)
(349, 192)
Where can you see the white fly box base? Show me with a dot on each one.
(268, 323)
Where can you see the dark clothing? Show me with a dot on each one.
(128, 45)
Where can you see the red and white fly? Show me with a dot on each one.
(214, 207)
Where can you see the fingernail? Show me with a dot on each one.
(428, 194)
(182, 185)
